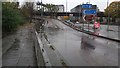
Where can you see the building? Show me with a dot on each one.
(79, 8)
(60, 8)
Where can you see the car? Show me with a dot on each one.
(67, 21)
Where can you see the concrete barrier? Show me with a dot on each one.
(41, 55)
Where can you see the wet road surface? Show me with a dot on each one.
(79, 49)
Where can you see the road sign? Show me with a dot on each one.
(84, 17)
(87, 17)
(89, 12)
(87, 6)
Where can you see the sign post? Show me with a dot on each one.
(88, 12)
(85, 6)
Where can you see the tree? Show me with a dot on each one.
(11, 17)
(27, 10)
(52, 8)
(113, 9)
(55, 10)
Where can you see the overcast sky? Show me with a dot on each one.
(72, 3)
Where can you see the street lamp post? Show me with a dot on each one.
(41, 9)
(79, 13)
(66, 7)
(108, 16)
(83, 19)
(89, 1)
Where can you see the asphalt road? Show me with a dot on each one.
(79, 49)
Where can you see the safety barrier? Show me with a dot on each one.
(41, 55)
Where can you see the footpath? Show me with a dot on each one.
(18, 49)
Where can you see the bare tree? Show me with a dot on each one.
(28, 9)
(52, 8)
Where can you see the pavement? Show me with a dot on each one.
(19, 48)
(79, 49)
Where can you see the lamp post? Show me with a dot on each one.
(89, 1)
(41, 9)
(79, 13)
(108, 16)
(66, 7)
